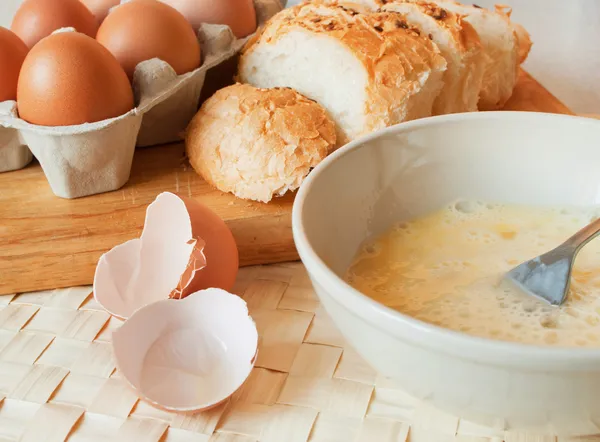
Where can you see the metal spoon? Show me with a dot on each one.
(549, 275)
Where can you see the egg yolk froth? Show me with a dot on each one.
(447, 269)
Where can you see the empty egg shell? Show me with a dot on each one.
(187, 355)
(168, 260)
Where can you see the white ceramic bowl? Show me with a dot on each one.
(410, 169)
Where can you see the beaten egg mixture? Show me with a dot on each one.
(447, 269)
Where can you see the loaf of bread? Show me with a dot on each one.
(460, 45)
(258, 143)
(369, 70)
(506, 45)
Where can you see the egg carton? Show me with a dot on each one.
(96, 157)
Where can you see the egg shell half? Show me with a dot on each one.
(187, 355)
(220, 249)
(170, 258)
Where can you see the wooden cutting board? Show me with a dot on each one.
(47, 242)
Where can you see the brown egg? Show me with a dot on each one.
(12, 53)
(220, 250)
(100, 8)
(36, 19)
(239, 15)
(69, 78)
(145, 29)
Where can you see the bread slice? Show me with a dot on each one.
(258, 143)
(505, 44)
(523, 37)
(368, 70)
(459, 44)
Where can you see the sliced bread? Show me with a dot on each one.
(460, 45)
(505, 44)
(368, 70)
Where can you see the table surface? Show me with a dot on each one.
(58, 380)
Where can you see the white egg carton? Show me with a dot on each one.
(94, 158)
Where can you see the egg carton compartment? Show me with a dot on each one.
(14, 154)
(96, 157)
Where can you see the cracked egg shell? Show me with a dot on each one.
(184, 247)
(187, 355)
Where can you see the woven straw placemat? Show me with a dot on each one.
(58, 379)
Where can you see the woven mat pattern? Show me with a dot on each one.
(58, 380)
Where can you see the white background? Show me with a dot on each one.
(566, 51)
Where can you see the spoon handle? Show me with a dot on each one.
(585, 235)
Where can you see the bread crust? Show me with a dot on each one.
(258, 143)
(502, 68)
(466, 43)
(498, 82)
(462, 32)
(396, 57)
(523, 38)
